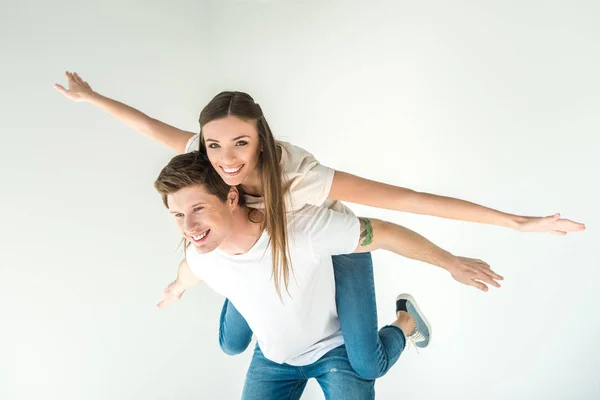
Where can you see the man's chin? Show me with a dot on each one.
(203, 248)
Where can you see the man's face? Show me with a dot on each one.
(202, 218)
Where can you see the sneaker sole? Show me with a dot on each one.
(406, 296)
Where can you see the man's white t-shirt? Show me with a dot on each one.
(304, 326)
(309, 181)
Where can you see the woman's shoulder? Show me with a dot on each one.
(293, 156)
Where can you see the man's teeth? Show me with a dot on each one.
(232, 170)
(201, 236)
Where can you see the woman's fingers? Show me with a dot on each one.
(60, 88)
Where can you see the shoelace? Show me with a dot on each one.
(415, 337)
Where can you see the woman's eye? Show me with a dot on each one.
(241, 143)
(198, 208)
(179, 215)
(213, 146)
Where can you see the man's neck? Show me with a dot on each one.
(244, 233)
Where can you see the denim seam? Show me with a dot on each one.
(293, 391)
(302, 373)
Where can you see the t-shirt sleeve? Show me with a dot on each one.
(193, 144)
(330, 232)
(310, 181)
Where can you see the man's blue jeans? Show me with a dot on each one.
(371, 353)
(267, 380)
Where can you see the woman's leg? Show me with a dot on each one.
(234, 333)
(371, 352)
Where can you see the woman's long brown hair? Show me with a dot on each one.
(243, 106)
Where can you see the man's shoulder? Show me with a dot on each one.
(306, 214)
(195, 258)
(316, 217)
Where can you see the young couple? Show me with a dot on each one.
(263, 225)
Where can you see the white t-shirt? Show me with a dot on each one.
(309, 181)
(305, 326)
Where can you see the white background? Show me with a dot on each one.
(495, 102)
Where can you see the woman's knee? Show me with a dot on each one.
(233, 347)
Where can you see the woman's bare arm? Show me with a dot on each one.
(167, 135)
(354, 189)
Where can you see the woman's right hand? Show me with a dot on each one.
(165, 134)
(78, 89)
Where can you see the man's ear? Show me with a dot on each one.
(233, 197)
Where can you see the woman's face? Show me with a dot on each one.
(233, 148)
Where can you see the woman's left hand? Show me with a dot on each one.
(552, 224)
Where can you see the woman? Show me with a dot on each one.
(280, 177)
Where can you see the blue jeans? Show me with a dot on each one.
(370, 352)
(268, 380)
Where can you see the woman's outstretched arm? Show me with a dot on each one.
(354, 189)
(167, 135)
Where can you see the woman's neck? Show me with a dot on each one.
(252, 185)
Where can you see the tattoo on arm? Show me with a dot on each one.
(366, 232)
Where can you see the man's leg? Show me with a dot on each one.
(234, 333)
(267, 380)
(338, 379)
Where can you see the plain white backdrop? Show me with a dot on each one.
(494, 102)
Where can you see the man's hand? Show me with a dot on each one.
(171, 294)
(78, 89)
(551, 224)
(472, 272)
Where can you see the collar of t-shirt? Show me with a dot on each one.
(260, 244)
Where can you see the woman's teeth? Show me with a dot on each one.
(232, 170)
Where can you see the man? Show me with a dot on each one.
(298, 332)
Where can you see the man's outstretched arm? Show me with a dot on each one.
(376, 234)
(185, 280)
